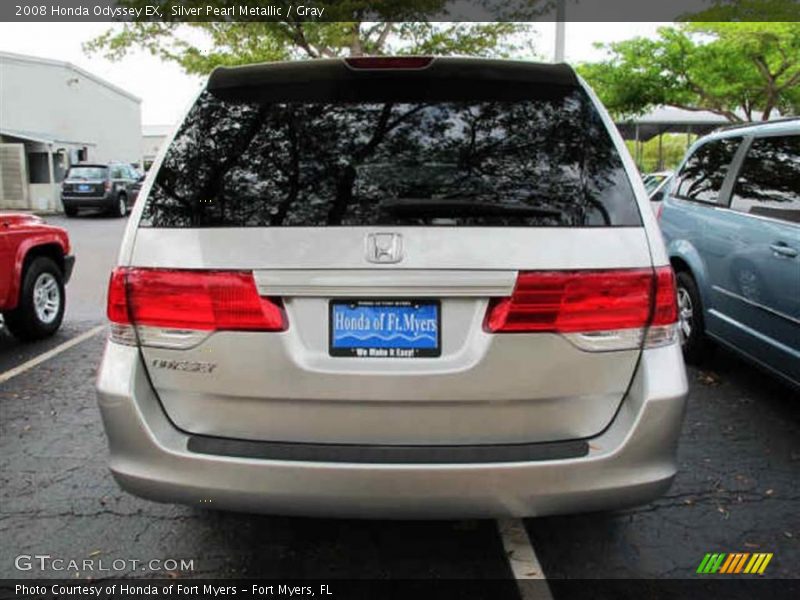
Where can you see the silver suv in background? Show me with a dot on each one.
(404, 287)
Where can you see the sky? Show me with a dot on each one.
(166, 90)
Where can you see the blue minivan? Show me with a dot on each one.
(731, 222)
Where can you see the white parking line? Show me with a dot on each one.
(522, 560)
(39, 359)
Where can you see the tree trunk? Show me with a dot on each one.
(356, 48)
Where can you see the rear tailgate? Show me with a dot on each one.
(436, 187)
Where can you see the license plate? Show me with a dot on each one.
(84, 187)
(385, 328)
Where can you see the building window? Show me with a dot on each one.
(38, 167)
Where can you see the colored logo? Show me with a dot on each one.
(735, 563)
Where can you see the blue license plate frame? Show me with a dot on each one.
(385, 328)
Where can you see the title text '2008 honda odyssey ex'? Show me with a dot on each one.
(403, 287)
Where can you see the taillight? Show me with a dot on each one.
(177, 308)
(107, 185)
(665, 306)
(659, 211)
(663, 329)
(596, 310)
(389, 62)
(117, 307)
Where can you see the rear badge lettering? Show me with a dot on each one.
(188, 366)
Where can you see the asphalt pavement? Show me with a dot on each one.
(95, 242)
(738, 489)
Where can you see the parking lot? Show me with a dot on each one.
(738, 489)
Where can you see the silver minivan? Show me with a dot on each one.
(406, 287)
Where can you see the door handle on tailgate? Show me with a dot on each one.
(783, 249)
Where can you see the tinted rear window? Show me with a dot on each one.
(531, 161)
(87, 173)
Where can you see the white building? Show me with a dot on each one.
(54, 114)
(153, 137)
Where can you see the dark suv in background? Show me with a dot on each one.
(111, 187)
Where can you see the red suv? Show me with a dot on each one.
(35, 264)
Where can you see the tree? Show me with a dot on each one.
(352, 28)
(742, 71)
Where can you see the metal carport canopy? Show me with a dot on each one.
(41, 138)
(666, 119)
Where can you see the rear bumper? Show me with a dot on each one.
(86, 202)
(631, 462)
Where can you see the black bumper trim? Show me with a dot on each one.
(394, 454)
(87, 202)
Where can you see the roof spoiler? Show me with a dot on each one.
(393, 78)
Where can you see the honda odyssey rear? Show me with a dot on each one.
(404, 287)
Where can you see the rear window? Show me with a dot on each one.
(87, 173)
(531, 161)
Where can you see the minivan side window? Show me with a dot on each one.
(769, 180)
(702, 175)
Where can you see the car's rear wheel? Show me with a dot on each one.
(121, 207)
(70, 211)
(41, 302)
(690, 319)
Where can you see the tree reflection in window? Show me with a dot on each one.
(769, 180)
(506, 163)
(701, 177)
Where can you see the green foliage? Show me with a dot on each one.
(366, 28)
(748, 10)
(673, 148)
(738, 70)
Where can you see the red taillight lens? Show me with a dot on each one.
(117, 308)
(582, 301)
(389, 62)
(665, 307)
(107, 186)
(659, 211)
(193, 300)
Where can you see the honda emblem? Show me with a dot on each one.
(384, 247)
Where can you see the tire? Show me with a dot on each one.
(70, 211)
(691, 326)
(41, 302)
(120, 208)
